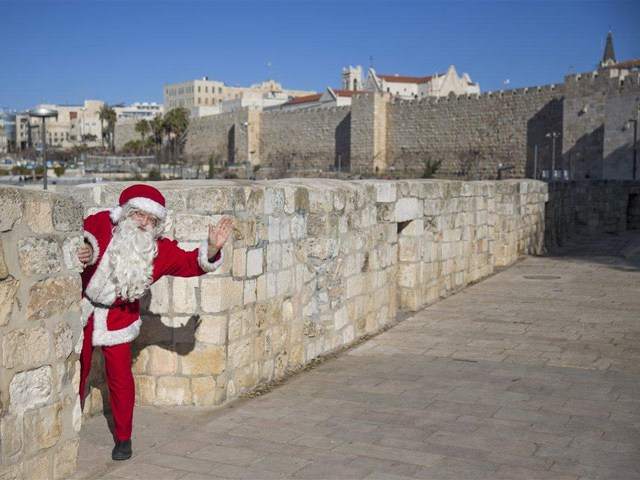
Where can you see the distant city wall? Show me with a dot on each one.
(306, 140)
(39, 328)
(473, 136)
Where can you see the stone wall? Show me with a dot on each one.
(623, 104)
(588, 207)
(213, 137)
(125, 131)
(314, 266)
(474, 135)
(310, 140)
(39, 328)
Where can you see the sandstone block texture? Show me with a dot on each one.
(313, 266)
(39, 328)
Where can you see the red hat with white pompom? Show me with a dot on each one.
(141, 197)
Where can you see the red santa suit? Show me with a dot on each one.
(112, 322)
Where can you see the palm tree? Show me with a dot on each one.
(143, 128)
(157, 129)
(176, 122)
(108, 114)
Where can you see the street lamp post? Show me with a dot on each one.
(553, 136)
(44, 113)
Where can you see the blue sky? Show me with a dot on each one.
(63, 52)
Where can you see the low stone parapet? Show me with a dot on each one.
(314, 265)
(39, 330)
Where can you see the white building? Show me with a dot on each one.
(437, 85)
(330, 98)
(139, 111)
(210, 97)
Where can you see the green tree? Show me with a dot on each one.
(176, 122)
(108, 114)
(143, 128)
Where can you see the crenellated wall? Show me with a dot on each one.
(39, 328)
(474, 135)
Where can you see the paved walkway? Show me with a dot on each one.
(533, 373)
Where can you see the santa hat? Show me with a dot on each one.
(141, 197)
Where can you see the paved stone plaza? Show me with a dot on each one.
(533, 373)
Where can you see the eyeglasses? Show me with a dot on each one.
(144, 218)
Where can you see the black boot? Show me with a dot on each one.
(122, 450)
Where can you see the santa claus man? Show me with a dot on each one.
(124, 253)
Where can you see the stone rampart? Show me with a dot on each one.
(314, 266)
(39, 332)
(474, 135)
(317, 139)
(588, 207)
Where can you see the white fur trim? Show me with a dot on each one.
(114, 214)
(93, 241)
(101, 287)
(103, 336)
(149, 206)
(203, 258)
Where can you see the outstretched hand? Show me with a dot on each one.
(219, 233)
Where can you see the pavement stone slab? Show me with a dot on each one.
(518, 376)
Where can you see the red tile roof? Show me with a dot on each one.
(626, 64)
(305, 99)
(348, 93)
(399, 79)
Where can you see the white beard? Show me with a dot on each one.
(132, 252)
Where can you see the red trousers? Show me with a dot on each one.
(122, 390)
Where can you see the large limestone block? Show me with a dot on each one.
(63, 340)
(212, 329)
(173, 391)
(190, 227)
(209, 360)
(161, 361)
(70, 253)
(43, 427)
(30, 388)
(203, 391)
(11, 433)
(11, 206)
(159, 297)
(39, 214)
(255, 262)
(8, 289)
(53, 296)
(273, 201)
(39, 256)
(213, 199)
(145, 388)
(218, 294)
(184, 295)
(65, 458)
(385, 192)
(67, 214)
(4, 270)
(25, 347)
(37, 467)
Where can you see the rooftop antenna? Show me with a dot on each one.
(270, 72)
(370, 61)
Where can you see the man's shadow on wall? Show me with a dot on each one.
(180, 340)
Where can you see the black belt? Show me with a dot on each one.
(98, 304)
